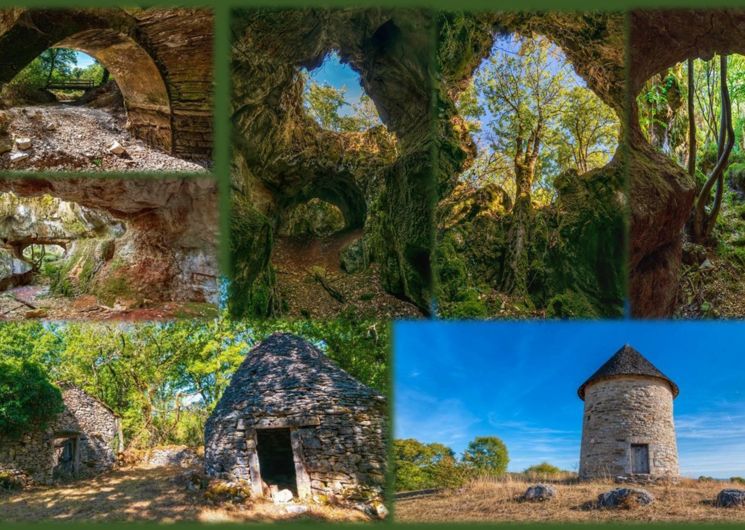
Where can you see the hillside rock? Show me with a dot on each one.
(539, 493)
(728, 498)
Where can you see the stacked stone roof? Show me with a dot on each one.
(627, 362)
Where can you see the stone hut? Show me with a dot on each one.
(628, 428)
(81, 442)
(292, 419)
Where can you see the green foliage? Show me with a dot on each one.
(487, 456)
(164, 379)
(54, 64)
(570, 304)
(422, 466)
(28, 400)
(329, 107)
(542, 469)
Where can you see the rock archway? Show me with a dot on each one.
(146, 241)
(592, 262)
(282, 156)
(661, 192)
(168, 100)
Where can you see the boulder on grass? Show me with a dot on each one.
(539, 493)
(729, 498)
(627, 498)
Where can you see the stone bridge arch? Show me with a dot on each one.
(168, 100)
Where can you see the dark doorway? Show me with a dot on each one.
(66, 452)
(276, 460)
(640, 458)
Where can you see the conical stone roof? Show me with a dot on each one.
(286, 374)
(627, 361)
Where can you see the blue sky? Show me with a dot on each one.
(84, 60)
(518, 380)
(333, 72)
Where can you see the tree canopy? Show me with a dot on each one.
(164, 379)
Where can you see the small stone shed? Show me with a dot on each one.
(81, 442)
(628, 429)
(293, 419)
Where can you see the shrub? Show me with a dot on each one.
(28, 399)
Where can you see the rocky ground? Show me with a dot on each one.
(35, 302)
(68, 137)
(151, 491)
(313, 285)
(499, 501)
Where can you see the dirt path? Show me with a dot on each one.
(35, 302)
(68, 137)
(144, 493)
(313, 284)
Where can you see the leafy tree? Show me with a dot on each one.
(164, 379)
(588, 133)
(487, 455)
(421, 466)
(326, 105)
(28, 400)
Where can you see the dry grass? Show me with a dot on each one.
(497, 500)
(142, 493)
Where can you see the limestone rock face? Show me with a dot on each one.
(662, 193)
(628, 498)
(169, 249)
(13, 271)
(282, 157)
(95, 429)
(337, 425)
(730, 497)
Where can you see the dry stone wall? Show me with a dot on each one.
(337, 424)
(96, 428)
(623, 411)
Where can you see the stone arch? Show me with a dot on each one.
(661, 192)
(111, 38)
(169, 107)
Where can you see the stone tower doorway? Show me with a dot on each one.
(67, 458)
(640, 458)
(277, 459)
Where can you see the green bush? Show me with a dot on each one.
(422, 466)
(28, 400)
(487, 456)
(544, 468)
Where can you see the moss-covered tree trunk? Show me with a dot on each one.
(515, 276)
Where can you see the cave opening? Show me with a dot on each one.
(540, 137)
(334, 97)
(693, 113)
(51, 250)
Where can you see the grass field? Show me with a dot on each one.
(486, 500)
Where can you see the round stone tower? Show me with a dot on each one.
(628, 429)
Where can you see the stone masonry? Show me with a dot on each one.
(337, 425)
(628, 409)
(90, 428)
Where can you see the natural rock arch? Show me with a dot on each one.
(169, 249)
(168, 102)
(282, 156)
(661, 192)
(594, 44)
